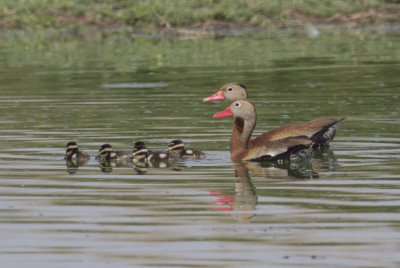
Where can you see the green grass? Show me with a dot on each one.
(178, 13)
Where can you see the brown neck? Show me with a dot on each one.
(241, 133)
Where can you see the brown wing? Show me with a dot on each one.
(301, 129)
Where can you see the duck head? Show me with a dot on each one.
(72, 147)
(105, 149)
(139, 150)
(243, 109)
(230, 92)
(176, 145)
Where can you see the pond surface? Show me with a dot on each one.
(119, 89)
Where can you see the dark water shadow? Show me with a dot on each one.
(323, 160)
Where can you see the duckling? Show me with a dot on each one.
(73, 154)
(140, 155)
(177, 147)
(154, 156)
(139, 152)
(106, 153)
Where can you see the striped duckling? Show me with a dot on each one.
(177, 148)
(73, 154)
(106, 153)
(153, 158)
(139, 152)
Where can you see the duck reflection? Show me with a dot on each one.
(141, 167)
(244, 201)
(324, 160)
(107, 166)
(73, 165)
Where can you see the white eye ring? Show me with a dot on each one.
(230, 89)
(237, 104)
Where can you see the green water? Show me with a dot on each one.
(120, 88)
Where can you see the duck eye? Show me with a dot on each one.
(237, 104)
(230, 89)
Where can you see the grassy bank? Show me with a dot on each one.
(31, 14)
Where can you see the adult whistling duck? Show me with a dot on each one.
(321, 131)
(177, 148)
(73, 154)
(106, 153)
(260, 149)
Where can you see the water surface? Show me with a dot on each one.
(117, 89)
